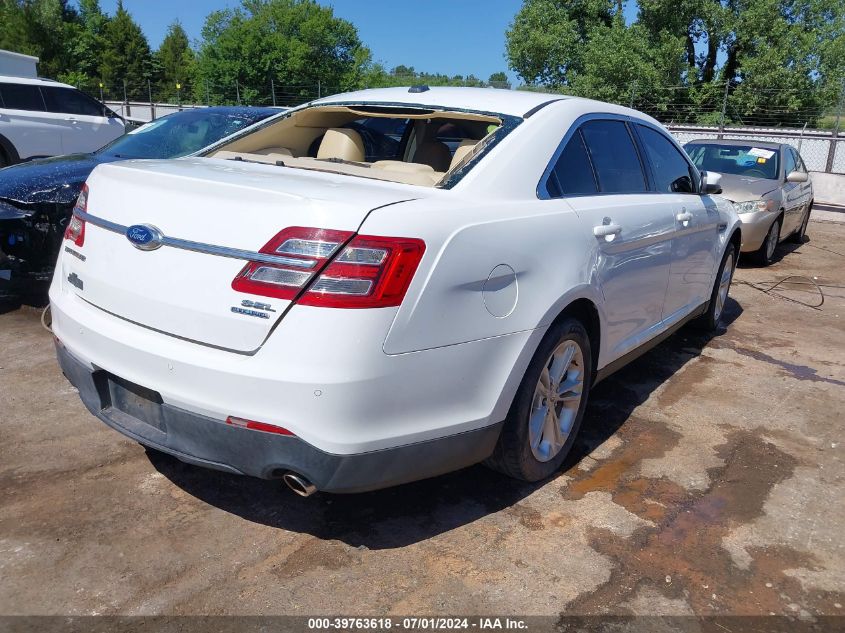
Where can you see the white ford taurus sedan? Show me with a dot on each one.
(386, 285)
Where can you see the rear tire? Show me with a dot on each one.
(709, 321)
(764, 255)
(545, 417)
(798, 236)
(4, 160)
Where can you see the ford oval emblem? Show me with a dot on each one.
(144, 237)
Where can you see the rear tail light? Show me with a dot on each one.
(257, 426)
(75, 231)
(333, 269)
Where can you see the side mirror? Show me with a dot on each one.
(711, 182)
(797, 176)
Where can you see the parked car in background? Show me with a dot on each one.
(348, 322)
(769, 185)
(41, 117)
(36, 197)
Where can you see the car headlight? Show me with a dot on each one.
(750, 206)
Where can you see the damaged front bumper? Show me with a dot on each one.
(30, 236)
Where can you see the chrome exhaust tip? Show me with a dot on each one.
(299, 484)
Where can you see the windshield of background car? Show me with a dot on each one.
(411, 144)
(180, 134)
(738, 160)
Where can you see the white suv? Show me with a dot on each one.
(40, 117)
(386, 285)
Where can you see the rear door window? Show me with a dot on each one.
(671, 171)
(69, 101)
(572, 173)
(21, 97)
(614, 157)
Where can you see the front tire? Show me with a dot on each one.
(798, 236)
(709, 321)
(766, 253)
(545, 417)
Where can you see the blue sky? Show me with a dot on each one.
(455, 37)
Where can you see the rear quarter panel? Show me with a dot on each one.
(456, 296)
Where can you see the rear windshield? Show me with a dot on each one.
(409, 144)
(738, 160)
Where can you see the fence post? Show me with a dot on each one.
(831, 151)
(273, 91)
(207, 97)
(724, 109)
(319, 89)
(801, 137)
(127, 111)
(238, 91)
(152, 105)
(633, 91)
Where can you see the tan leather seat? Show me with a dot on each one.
(342, 143)
(466, 146)
(435, 154)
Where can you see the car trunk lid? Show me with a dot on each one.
(213, 214)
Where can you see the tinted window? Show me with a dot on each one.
(21, 97)
(572, 173)
(68, 101)
(670, 169)
(614, 157)
(788, 162)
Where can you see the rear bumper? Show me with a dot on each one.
(204, 441)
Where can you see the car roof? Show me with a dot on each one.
(501, 101)
(37, 81)
(735, 141)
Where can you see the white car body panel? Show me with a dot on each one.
(36, 133)
(499, 267)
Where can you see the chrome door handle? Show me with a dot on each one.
(684, 217)
(607, 230)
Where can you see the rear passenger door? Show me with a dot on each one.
(695, 218)
(25, 122)
(599, 172)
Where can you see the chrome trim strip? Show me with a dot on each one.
(200, 247)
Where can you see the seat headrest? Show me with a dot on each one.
(342, 143)
(435, 154)
(466, 146)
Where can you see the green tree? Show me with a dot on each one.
(125, 56)
(499, 80)
(174, 61)
(42, 28)
(294, 43)
(86, 46)
(622, 65)
(546, 41)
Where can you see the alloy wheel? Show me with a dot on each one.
(557, 398)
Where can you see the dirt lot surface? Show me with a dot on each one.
(710, 480)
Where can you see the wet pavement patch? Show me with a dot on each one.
(682, 556)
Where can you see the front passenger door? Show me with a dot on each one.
(85, 125)
(695, 224)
